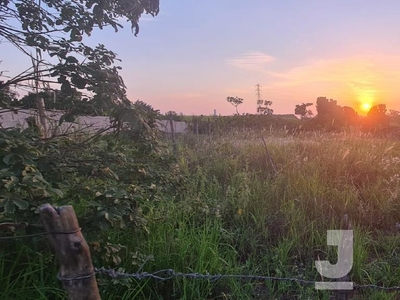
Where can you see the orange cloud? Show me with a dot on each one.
(360, 79)
(353, 80)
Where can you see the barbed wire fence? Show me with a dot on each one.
(164, 274)
(168, 274)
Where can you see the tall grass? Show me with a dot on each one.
(280, 218)
(252, 208)
(27, 274)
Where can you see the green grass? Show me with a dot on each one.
(319, 179)
(27, 274)
(236, 215)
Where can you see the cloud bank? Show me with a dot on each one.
(251, 61)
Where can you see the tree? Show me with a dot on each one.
(174, 115)
(53, 30)
(330, 113)
(302, 110)
(235, 101)
(333, 116)
(53, 99)
(377, 110)
(350, 116)
(327, 107)
(394, 118)
(7, 97)
(266, 110)
(376, 117)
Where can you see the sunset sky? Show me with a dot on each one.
(195, 53)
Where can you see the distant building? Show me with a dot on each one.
(19, 118)
(179, 126)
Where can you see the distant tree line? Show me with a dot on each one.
(330, 116)
(240, 123)
(333, 117)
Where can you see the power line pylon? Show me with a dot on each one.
(259, 100)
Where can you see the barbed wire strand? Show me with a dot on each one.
(168, 274)
(38, 234)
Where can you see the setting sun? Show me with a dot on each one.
(365, 107)
(366, 97)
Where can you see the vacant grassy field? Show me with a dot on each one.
(255, 204)
(275, 196)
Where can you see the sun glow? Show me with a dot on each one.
(365, 107)
(366, 99)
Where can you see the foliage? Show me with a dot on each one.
(277, 222)
(265, 108)
(377, 110)
(302, 110)
(334, 117)
(136, 122)
(149, 114)
(349, 116)
(394, 113)
(7, 96)
(112, 181)
(22, 185)
(72, 103)
(246, 122)
(55, 30)
(235, 101)
(219, 208)
(53, 99)
(118, 171)
(328, 110)
(172, 115)
(376, 118)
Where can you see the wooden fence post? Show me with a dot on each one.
(171, 123)
(76, 270)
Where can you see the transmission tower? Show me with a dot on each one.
(259, 100)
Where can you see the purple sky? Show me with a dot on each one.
(194, 54)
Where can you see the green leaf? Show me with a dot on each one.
(22, 204)
(27, 179)
(66, 87)
(62, 79)
(71, 59)
(79, 82)
(69, 118)
(10, 184)
(58, 192)
(8, 158)
(9, 207)
(116, 259)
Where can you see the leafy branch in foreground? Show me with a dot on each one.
(57, 28)
(111, 177)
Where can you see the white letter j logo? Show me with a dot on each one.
(343, 239)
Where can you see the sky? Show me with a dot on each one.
(195, 54)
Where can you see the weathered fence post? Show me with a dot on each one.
(171, 123)
(76, 270)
